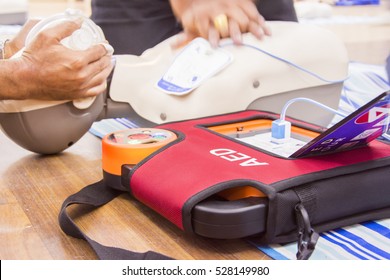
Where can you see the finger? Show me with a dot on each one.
(109, 49)
(257, 25)
(84, 77)
(265, 26)
(221, 24)
(98, 89)
(188, 23)
(102, 67)
(260, 28)
(63, 29)
(256, 30)
(213, 37)
(240, 18)
(250, 9)
(182, 39)
(93, 54)
(18, 41)
(235, 32)
(27, 27)
(203, 26)
(97, 84)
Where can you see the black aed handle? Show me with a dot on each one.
(218, 218)
(229, 219)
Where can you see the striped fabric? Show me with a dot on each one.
(364, 83)
(107, 126)
(370, 240)
(366, 241)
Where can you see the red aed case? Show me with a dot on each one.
(202, 163)
(208, 182)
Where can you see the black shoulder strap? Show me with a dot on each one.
(97, 195)
(305, 211)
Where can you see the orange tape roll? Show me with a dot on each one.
(130, 146)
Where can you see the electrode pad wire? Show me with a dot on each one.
(281, 129)
(287, 62)
(304, 99)
(386, 134)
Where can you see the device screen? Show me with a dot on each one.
(356, 130)
(258, 134)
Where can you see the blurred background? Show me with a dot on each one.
(12, 11)
(363, 25)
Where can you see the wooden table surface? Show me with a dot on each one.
(33, 188)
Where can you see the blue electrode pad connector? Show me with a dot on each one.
(280, 131)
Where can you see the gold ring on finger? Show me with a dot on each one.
(221, 23)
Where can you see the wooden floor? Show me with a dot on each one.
(33, 187)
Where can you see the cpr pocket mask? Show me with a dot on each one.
(221, 184)
(49, 127)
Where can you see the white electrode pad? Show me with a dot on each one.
(197, 62)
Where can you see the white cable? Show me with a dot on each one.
(283, 114)
(386, 134)
(288, 103)
(288, 62)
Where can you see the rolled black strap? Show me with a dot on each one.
(307, 237)
(97, 195)
(305, 212)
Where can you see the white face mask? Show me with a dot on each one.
(88, 35)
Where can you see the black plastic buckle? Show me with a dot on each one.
(307, 236)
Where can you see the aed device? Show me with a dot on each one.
(242, 211)
(130, 147)
(216, 177)
(238, 210)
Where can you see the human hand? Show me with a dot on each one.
(219, 19)
(17, 42)
(51, 71)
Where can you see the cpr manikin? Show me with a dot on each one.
(296, 61)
